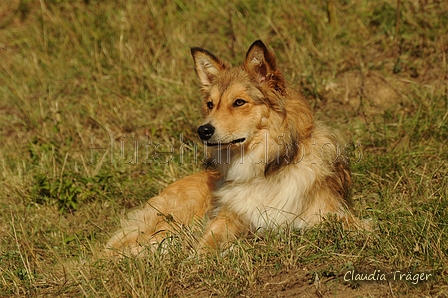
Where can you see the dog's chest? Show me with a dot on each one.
(268, 202)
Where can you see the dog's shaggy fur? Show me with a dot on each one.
(273, 165)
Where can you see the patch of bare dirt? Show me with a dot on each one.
(299, 283)
(377, 92)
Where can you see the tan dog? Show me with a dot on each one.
(273, 164)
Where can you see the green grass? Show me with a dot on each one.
(77, 76)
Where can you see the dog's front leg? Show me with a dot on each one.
(179, 204)
(222, 229)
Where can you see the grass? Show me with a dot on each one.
(82, 81)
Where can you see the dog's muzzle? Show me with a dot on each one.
(206, 131)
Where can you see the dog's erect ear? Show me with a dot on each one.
(207, 65)
(260, 61)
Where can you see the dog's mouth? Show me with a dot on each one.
(237, 142)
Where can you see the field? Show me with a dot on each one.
(99, 105)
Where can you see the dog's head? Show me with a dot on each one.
(238, 100)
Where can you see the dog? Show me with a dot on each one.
(271, 165)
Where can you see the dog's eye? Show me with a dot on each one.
(210, 105)
(239, 102)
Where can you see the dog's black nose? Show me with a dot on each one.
(206, 131)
